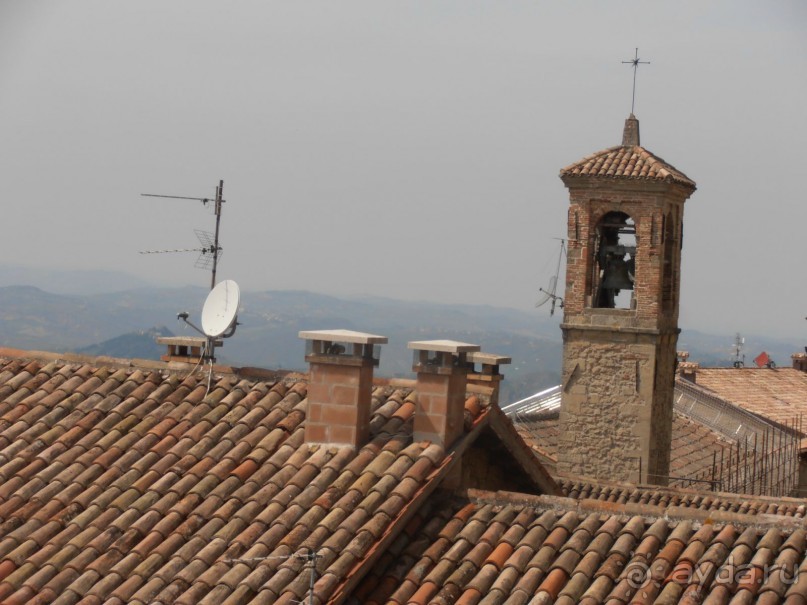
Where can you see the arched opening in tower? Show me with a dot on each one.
(614, 265)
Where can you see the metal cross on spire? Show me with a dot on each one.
(635, 62)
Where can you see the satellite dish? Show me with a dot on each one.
(221, 307)
(547, 293)
(550, 293)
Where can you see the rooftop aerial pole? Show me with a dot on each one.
(310, 555)
(210, 250)
(635, 62)
(217, 211)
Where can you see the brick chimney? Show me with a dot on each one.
(688, 370)
(800, 361)
(442, 370)
(488, 374)
(340, 385)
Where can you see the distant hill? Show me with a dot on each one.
(118, 324)
(69, 282)
(121, 324)
(140, 344)
(33, 319)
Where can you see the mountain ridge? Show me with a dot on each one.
(112, 323)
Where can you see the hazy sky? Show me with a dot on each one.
(402, 149)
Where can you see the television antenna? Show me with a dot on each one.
(309, 555)
(550, 293)
(739, 357)
(209, 251)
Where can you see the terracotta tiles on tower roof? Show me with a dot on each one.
(627, 162)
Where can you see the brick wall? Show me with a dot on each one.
(651, 207)
(339, 399)
(440, 407)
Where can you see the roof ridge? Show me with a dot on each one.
(173, 367)
(629, 509)
(688, 491)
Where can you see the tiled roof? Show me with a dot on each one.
(135, 485)
(123, 485)
(629, 162)
(778, 394)
(498, 548)
(693, 447)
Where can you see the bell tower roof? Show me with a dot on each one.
(627, 161)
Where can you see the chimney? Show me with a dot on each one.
(488, 375)
(186, 349)
(442, 370)
(340, 385)
(630, 136)
(800, 361)
(689, 370)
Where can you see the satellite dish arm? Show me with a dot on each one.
(184, 317)
(231, 330)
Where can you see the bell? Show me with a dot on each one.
(616, 275)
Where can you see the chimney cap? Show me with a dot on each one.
(489, 358)
(185, 341)
(443, 346)
(349, 336)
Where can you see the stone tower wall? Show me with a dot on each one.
(615, 409)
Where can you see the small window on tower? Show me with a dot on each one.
(614, 266)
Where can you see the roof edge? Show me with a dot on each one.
(508, 434)
(453, 457)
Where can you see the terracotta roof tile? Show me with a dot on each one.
(778, 394)
(138, 487)
(622, 493)
(590, 563)
(626, 161)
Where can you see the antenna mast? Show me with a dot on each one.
(311, 557)
(739, 358)
(209, 247)
(217, 211)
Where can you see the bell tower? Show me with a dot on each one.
(620, 323)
